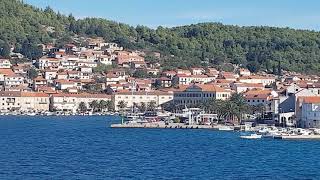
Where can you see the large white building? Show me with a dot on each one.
(199, 93)
(159, 97)
(23, 101)
(189, 79)
(257, 80)
(70, 102)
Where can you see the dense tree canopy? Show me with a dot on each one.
(214, 43)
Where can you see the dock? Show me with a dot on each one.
(298, 137)
(163, 126)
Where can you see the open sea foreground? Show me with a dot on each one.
(83, 147)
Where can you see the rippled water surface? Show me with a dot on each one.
(86, 148)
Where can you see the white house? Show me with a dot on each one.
(105, 59)
(188, 79)
(13, 80)
(5, 64)
(270, 101)
(310, 112)
(50, 75)
(257, 80)
(64, 84)
(243, 87)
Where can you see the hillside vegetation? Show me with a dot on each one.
(257, 48)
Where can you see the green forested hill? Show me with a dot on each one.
(255, 47)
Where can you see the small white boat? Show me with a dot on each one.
(225, 128)
(31, 114)
(251, 136)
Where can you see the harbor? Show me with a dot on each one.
(254, 133)
(164, 125)
(192, 118)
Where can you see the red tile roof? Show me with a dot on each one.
(6, 72)
(310, 99)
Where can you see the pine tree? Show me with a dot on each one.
(279, 68)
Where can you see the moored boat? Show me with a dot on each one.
(252, 136)
(225, 128)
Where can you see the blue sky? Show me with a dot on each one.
(299, 14)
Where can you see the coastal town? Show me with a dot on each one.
(102, 77)
(137, 89)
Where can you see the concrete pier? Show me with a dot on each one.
(298, 137)
(162, 126)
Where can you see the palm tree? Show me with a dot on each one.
(103, 105)
(205, 106)
(82, 107)
(261, 109)
(152, 105)
(134, 106)
(94, 105)
(121, 105)
(217, 106)
(110, 106)
(142, 107)
(240, 102)
(253, 109)
(230, 110)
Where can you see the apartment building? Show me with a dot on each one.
(159, 97)
(23, 101)
(70, 102)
